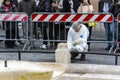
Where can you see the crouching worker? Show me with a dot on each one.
(77, 39)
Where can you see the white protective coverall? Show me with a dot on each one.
(80, 36)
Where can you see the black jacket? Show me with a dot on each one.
(115, 10)
(67, 8)
(28, 6)
(44, 6)
(101, 4)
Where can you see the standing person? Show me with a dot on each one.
(44, 6)
(69, 6)
(77, 39)
(28, 6)
(8, 6)
(115, 10)
(55, 27)
(103, 6)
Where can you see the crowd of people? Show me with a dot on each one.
(69, 6)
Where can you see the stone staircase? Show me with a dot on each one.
(70, 76)
(91, 72)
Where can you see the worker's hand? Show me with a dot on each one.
(78, 41)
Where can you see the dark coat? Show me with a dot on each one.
(28, 6)
(12, 8)
(101, 4)
(15, 2)
(67, 8)
(115, 10)
(44, 6)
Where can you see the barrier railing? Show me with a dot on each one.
(41, 20)
(14, 28)
(49, 22)
(117, 33)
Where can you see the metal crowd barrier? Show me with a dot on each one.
(14, 28)
(49, 29)
(117, 34)
(98, 32)
(53, 27)
(42, 23)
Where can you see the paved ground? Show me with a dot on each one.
(50, 57)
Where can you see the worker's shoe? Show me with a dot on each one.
(82, 57)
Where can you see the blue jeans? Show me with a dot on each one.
(109, 32)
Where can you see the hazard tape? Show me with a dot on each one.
(72, 17)
(13, 17)
(118, 18)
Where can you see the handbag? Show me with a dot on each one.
(92, 24)
(85, 9)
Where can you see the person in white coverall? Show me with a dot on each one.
(77, 39)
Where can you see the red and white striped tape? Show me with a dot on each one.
(13, 17)
(118, 18)
(72, 17)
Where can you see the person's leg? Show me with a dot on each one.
(89, 38)
(56, 33)
(62, 31)
(10, 34)
(83, 56)
(115, 34)
(35, 25)
(73, 52)
(110, 34)
(45, 34)
(51, 31)
(119, 34)
(107, 29)
(90, 33)
(73, 55)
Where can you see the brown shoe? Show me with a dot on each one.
(82, 57)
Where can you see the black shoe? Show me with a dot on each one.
(118, 50)
(114, 48)
(108, 48)
(73, 55)
(82, 57)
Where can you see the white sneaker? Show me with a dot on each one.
(43, 46)
(17, 43)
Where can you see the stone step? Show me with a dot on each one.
(93, 69)
(69, 76)
(73, 76)
(99, 77)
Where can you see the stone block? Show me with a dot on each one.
(62, 54)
